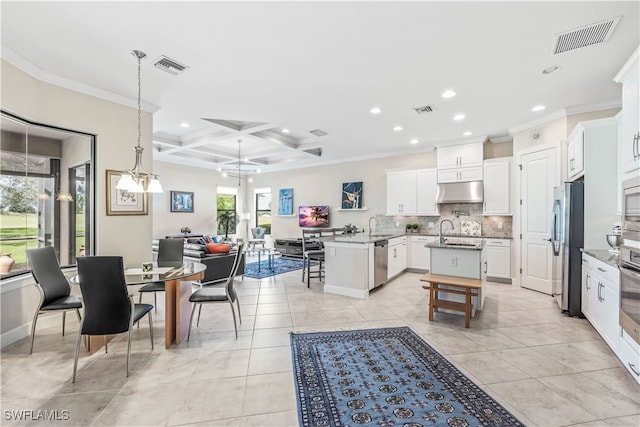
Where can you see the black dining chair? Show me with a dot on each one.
(209, 295)
(170, 253)
(53, 286)
(108, 307)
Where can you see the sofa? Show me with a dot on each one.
(218, 265)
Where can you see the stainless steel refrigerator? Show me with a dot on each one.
(567, 238)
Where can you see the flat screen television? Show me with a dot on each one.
(313, 216)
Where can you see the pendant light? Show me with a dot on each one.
(133, 179)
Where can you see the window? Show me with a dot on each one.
(227, 216)
(45, 192)
(263, 209)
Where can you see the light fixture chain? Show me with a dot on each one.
(139, 101)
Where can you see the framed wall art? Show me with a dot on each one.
(285, 202)
(181, 201)
(352, 195)
(123, 202)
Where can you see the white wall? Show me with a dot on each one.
(203, 183)
(116, 128)
(322, 185)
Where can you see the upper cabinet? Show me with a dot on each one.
(401, 193)
(460, 163)
(497, 188)
(412, 192)
(460, 156)
(426, 187)
(629, 137)
(598, 139)
(575, 154)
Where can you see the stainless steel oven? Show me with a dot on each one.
(630, 259)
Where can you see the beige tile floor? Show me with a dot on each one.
(548, 369)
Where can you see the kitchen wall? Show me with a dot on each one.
(491, 226)
(322, 185)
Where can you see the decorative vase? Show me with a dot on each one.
(6, 263)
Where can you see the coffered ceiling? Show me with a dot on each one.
(253, 69)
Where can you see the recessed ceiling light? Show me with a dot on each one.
(250, 180)
(225, 175)
(448, 94)
(219, 169)
(285, 130)
(397, 128)
(467, 133)
(538, 108)
(184, 125)
(551, 69)
(258, 170)
(376, 110)
(458, 117)
(414, 141)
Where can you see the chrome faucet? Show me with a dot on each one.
(376, 222)
(440, 240)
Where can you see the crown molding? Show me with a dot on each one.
(38, 73)
(565, 112)
(633, 59)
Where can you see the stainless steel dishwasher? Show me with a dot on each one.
(381, 261)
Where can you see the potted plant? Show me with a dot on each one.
(350, 229)
(226, 221)
(414, 228)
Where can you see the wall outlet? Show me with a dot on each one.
(453, 261)
(397, 223)
(500, 226)
(431, 224)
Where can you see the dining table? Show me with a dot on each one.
(178, 288)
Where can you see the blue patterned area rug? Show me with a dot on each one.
(385, 377)
(280, 265)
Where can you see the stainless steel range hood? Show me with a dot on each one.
(460, 192)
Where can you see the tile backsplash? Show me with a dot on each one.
(491, 226)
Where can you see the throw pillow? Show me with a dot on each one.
(218, 248)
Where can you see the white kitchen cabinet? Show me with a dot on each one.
(460, 175)
(497, 188)
(426, 187)
(397, 256)
(629, 137)
(412, 192)
(603, 298)
(460, 156)
(401, 192)
(629, 355)
(575, 154)
(496, 260)
(600, 176)
(419, 252)
(586, 292)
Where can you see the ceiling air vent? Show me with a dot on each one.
(598, 32)
(318, 132)
(424, 109)
(170, 66)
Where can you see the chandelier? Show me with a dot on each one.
(237, 171)
(133, 180)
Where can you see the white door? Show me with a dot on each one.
(539, 174)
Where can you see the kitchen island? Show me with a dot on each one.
(350, 263)
(458, 259)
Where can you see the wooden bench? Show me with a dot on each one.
(470, 289)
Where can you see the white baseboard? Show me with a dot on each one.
(354, 293)
(44, 321)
